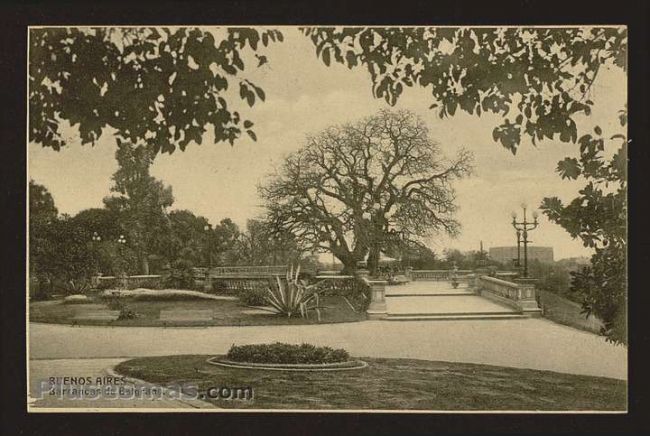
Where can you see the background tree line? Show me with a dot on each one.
(136, 233)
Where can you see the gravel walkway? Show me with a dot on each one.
(522, 343)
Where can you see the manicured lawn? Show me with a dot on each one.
(394, 384)
(227, 313)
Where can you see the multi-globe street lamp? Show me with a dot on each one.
(96, 239)
(522, 228)
(121, 243)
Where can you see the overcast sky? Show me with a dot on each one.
(304, 96)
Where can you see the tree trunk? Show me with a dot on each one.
(373, 260)
(144, 264)
(349, 263)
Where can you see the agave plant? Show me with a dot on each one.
(293, 297)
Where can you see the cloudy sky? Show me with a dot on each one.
(305, 96)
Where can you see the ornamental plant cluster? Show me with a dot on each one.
(286, 353)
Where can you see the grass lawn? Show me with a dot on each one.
(226, 313)
(395, 384)
(567, 312)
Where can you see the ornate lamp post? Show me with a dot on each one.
(208, 228)
(96, 239)
(121, 242)
(207, 283)
(522, 229)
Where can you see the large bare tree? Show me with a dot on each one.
(354, 187)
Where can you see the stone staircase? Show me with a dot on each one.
(428, 300)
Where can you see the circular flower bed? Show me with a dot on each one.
(287, 357)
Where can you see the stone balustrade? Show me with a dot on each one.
(241, 271)
(437, 274)
(519, 295)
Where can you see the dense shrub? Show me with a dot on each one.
(107, 283)
(286, 353)
(355, 291)
(181, 276)
(126, 313)
(253, 297)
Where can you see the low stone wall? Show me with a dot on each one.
(520, 296)
(128, 282)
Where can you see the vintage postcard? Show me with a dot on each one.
(334, 219)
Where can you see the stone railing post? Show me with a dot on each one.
(527, 296)
(409, 273)
(472, 281)
(377, 307)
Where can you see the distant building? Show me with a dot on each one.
(507, 254)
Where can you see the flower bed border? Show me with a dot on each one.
(338, 366)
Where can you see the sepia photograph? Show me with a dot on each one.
(355, 218)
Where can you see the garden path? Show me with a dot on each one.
(524, 343)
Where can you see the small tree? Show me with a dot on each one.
(264, 244)
(42, 214)
(141, 202)
(69, 261)
(101, 228)
(598, 216)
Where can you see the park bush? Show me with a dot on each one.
(356, 292)
(254, 297)
(286, 353)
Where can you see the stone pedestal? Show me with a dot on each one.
(377, 308)
(472, 282)
(527, 297)
(123, 281)
(207, 282)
